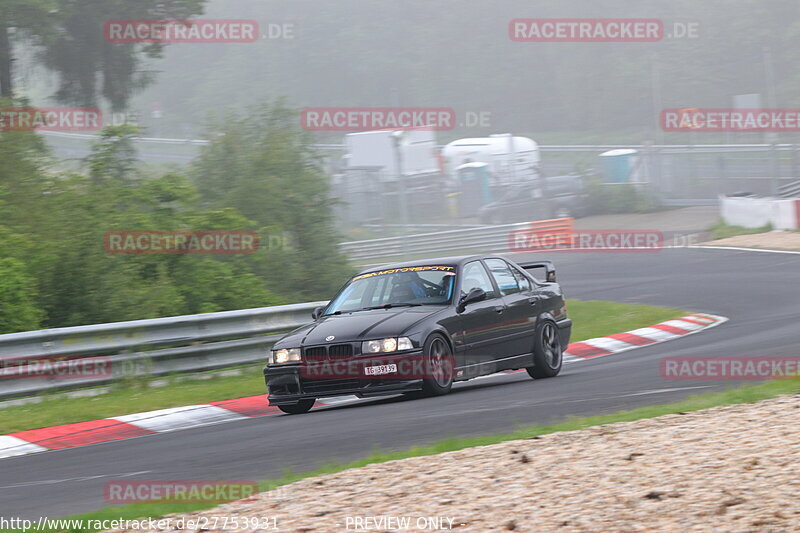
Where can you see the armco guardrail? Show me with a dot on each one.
(790, 190)
(152, 347)
(484, 239)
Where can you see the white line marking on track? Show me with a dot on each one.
(661, 391)
(790, 252)
(639, 393)
(71, 479)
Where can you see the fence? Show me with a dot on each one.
(687, 174)
(483, 239)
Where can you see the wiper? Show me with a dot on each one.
(389, 306)
(349, 311)
(384, 306)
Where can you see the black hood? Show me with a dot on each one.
(358, 326)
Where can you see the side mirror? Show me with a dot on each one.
(316, 313)
(475, 295)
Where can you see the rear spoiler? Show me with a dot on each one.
(550, 269)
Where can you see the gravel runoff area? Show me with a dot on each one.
(773, 240)
(732, 468)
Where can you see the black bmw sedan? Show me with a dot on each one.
(419, 327)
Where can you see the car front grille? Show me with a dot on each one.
(340, 350)
(325, 353)
(316, 353)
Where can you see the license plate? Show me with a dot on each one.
(380, 370)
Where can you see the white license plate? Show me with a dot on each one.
(380, 370)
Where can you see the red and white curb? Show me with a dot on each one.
(622, 342)
(190, 416)
(134, 425)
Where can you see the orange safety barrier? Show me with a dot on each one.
(550, 233)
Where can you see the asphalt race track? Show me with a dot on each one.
(759, 292)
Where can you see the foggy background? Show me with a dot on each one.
(458, 54)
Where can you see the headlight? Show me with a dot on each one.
(284, 355)
(391, 344)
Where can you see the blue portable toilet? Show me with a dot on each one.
(474, 185)
(619, 166)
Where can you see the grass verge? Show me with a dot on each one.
(748, 394)
(721, 230)
(590, 319)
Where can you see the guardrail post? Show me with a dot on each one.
(776, 169)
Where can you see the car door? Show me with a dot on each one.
(518, 320)
(480, 321)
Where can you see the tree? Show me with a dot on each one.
(70, 33)
(32, 19)
(263, 165)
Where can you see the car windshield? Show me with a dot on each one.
(396, 287)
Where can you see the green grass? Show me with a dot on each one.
(721, 230)
(734, 396)
(597, 319)
(590, 319)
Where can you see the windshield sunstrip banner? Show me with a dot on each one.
(406, 269)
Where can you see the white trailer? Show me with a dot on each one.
(377, 149)
(511, 159)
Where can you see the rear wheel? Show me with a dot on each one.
(547, 352)
(303, 406)
(438, 366)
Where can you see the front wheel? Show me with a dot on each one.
(547, 352)
(438, 366)
(303, 406)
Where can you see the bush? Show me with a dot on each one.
(18, 310)
(613, 198)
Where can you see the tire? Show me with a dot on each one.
(439, 358)
(303, 406)
(548, 354)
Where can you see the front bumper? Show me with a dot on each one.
(287, 384)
